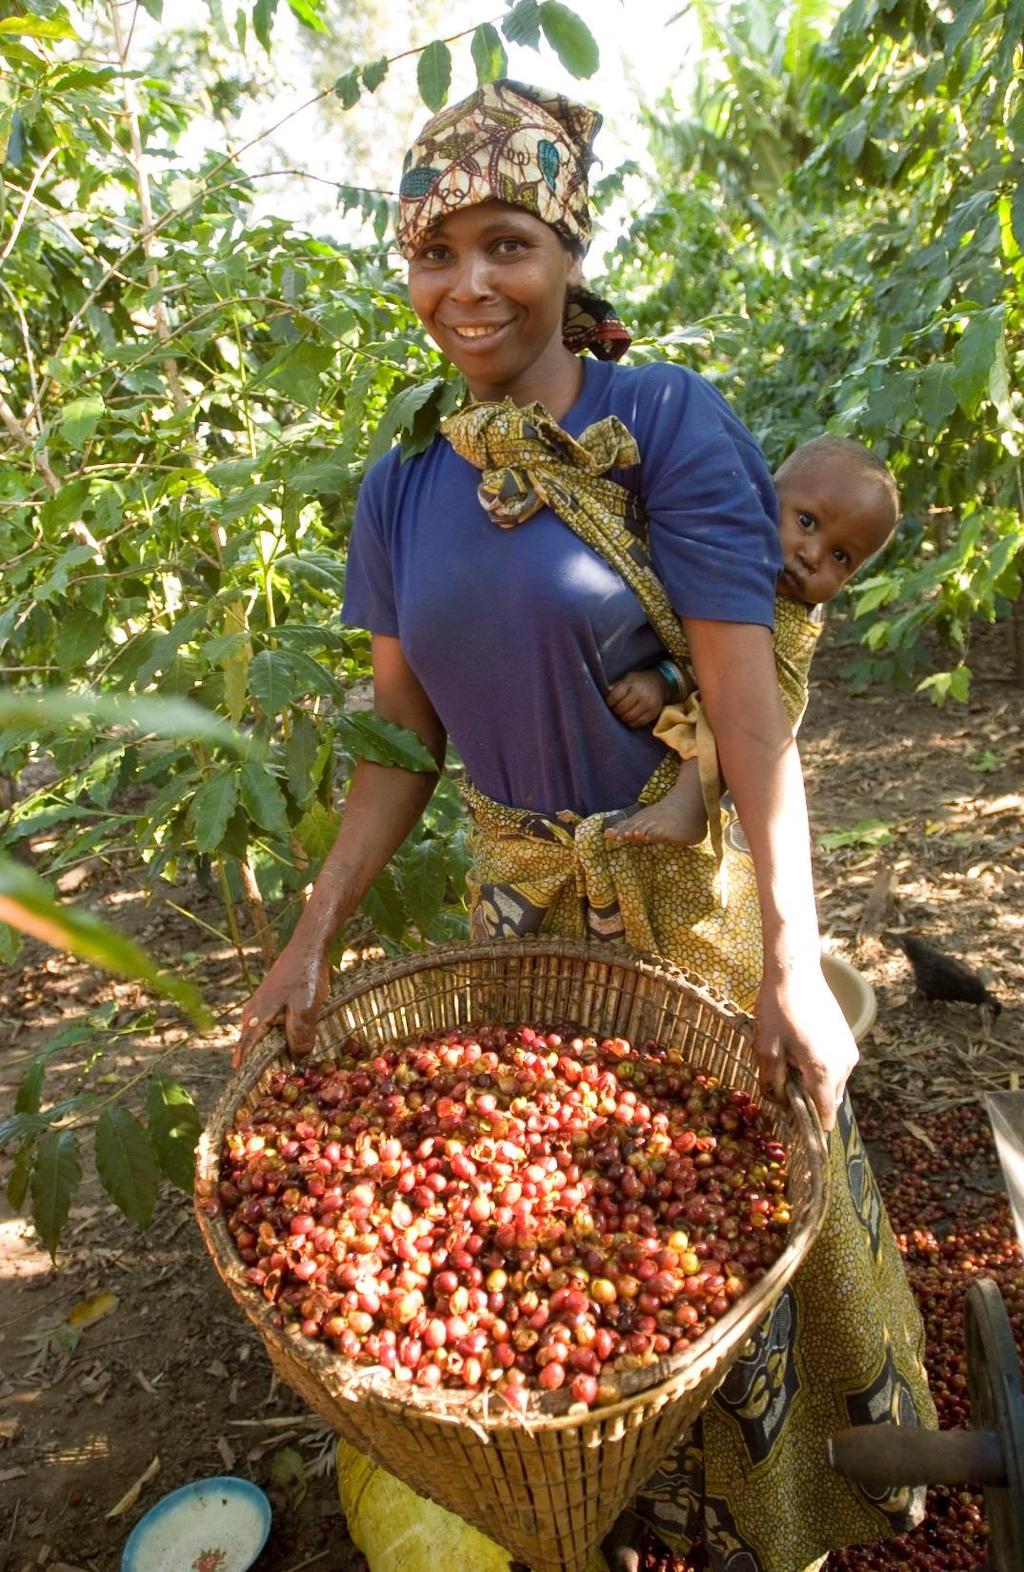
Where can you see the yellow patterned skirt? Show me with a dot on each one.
(844, 1343)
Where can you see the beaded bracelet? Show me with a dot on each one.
(674, 679)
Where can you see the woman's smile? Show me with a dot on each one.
(477, 333)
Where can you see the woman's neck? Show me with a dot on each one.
(555, 381)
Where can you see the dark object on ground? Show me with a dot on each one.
(940, 976)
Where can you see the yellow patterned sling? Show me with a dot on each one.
(843, 1345)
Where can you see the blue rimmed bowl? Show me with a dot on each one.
(213, 1525)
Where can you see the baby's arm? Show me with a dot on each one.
(639, 697)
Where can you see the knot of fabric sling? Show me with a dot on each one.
(529, 462)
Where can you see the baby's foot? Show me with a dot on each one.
(624, 1544)
(668, 822)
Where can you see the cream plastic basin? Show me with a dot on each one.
(855, 994)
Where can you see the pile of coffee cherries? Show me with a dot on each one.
(944, 1192)
(513, 1210)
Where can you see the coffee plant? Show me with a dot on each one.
(189, 399)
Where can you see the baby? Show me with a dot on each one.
(838, 505)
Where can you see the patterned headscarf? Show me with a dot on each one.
(509, 142)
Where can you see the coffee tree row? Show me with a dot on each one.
(837, 238)
(189, 398)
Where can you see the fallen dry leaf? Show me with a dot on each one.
(921, 1135)
(87, 1311)
(130, 1497)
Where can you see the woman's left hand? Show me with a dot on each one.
(799, 1025)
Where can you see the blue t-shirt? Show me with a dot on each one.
(517, 634)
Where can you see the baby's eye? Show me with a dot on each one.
(841, 556)
(806, 520)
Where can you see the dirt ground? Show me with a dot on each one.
(921, 808)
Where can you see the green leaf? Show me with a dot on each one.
(975, 356)
(17, 1183)
(262, 799)
(173, 718)
(37, 27)
(384, 742)
(374, 73)
(307, 12)
(66, 506)
(312, 676)
(158, 654)
(30, 1090)
(80, 418)
(987, 762)
(297, 372)
(56, 1175)
(272, 680)
(262, 20)
(878, 594)
(237, 504)
(348, 88)
(423, 882)
(236, 680)
(384, 906)
(522, 25)
(936, 394)
(174, 1129)
(212, 807)
(127, 1164)
(570, 38)
(319, 568)
(434, 74)
(1017, 216)
(316, 831)
(299, 752)
(10, 944)
(400, 414)
(868, 832)
(28, 905)
(288, 1471)
(79, 635)
(24, 1126)
(943, 685)
(488, 53)
(327, 477)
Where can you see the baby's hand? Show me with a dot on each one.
(639, 697)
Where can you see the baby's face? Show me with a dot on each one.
(833, 516)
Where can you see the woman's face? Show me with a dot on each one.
(489, 286)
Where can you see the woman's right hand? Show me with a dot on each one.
(291, 996)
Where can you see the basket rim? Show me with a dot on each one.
(343, 1379)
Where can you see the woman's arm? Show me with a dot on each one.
(799, 1022)
(382, 806)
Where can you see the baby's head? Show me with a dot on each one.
(838, 505)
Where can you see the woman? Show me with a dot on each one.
(630, 517)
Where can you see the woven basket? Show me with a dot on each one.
(548, 1486)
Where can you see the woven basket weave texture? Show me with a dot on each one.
(547, 1488)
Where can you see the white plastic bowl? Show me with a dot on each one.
(213, 1525)
(855, 994)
